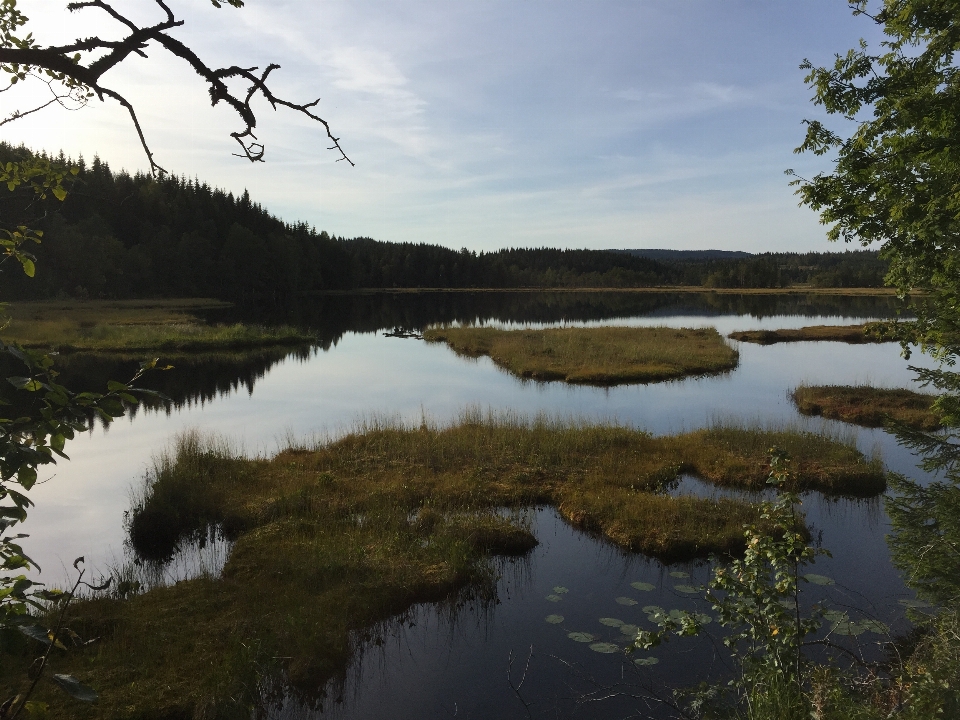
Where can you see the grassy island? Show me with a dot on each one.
(331, 540)
(853, 334)
(868, 406)
(595, 355)
(130, 326)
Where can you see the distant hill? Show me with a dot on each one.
(688, 255)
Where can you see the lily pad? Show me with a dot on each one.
(836, 616)
(646, 587)
(849, 628)
(581, 637)
(554, 619)
(645, 661)
(685, 588)
(554, 598)
(703, 618)
(679, 574)
(651, 609)
(874, 626)
(604, 647)
(626, 601)
(560, 590)
(913, 603)
(819, 579)
(611, 622)
(630, 630)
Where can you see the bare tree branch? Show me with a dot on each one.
(64, 64)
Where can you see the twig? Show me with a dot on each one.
(516, 688)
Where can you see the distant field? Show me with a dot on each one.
(594, 356)
(135, 326)
(867, 406)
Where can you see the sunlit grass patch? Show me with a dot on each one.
(132, 326)
(868, 406)
(595, 355)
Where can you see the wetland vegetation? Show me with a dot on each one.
(854, 334)
(333, 537)
(594, 356)
(868, 406)
(130, 326)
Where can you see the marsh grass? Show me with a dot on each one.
(868, 406)
(334, 538)
(595, 355)
(132, 326)
(853, 334)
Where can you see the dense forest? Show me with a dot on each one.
(120, 235)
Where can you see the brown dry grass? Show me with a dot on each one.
(853, 334)
(127, 326)
(868, 406)
(594, 356)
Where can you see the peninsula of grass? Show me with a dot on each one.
(868, 406)
(852, 334)
(334, 539)
(595, 355)
(132, 326)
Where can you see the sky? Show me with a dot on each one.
(484, 123)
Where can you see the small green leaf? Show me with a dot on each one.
(679, 574)
(554, 619)
(818, 579)
(685, 589)
(626, 601)
(611, 622)
(554, 598)
(581, 637)
(29, 269)
(645, 661)
(646, 587)
(560, 590)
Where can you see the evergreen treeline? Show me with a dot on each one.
(120, 235)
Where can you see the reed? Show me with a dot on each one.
(596, 355)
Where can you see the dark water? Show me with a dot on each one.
(434, 665)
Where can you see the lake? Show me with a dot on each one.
(439, 663)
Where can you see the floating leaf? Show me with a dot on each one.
(702, 618)
(836, 616)
(626, 601)
(554, 619)
(646, 587)
(818, 579)
(645, 661)
(651, 609)
(74, 688)
(611, 622)
(560, 590)
(554, 598)
(874, 626)
(628, 629)
(849, 628)
(581, 637)
(685, 588)
(604, 647)
(679, 574)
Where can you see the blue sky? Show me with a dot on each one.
(489, 124)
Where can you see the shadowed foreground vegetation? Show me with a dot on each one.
(136, 326)
(853, 334)
(335, 538)
(594, 356)
(868, 406)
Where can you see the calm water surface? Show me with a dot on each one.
(435, 665)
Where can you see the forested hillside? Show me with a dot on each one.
(118, 235)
